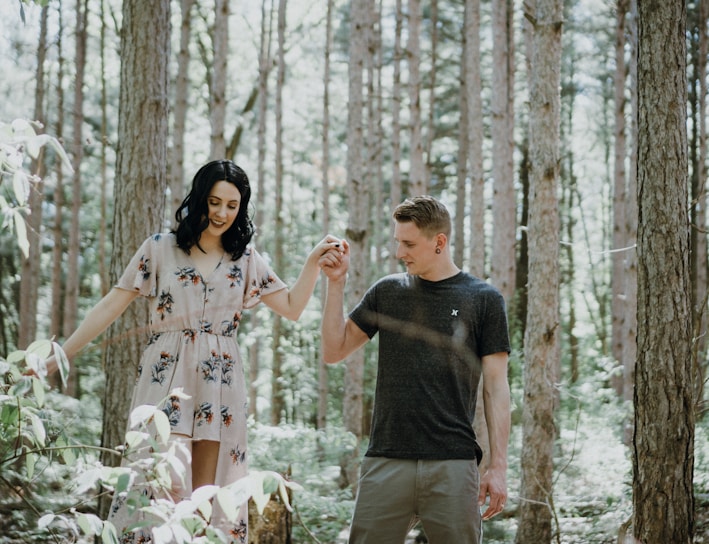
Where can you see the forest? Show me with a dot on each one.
(566, 137)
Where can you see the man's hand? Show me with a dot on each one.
(493, 484)
(335, 263)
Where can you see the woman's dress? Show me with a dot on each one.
(192, 345)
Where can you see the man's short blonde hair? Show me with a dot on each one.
(426, 212)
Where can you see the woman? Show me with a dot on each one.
(198, 279)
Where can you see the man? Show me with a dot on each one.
(439, 330)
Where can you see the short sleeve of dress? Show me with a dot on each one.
(141, 273)
(260, 279)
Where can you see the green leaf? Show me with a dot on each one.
(62, 153)
(69, 456)
(40, 434)
(62, 362)
(109, 534)
(16, 356)
(122, 482)
(141, 414)
(21, 231)
(22, 128)
(21, 186)
(38, 389)
(30, 462)
(45, 521)
(162, 424)
(22, 387)
(43, 348)
(90, 524)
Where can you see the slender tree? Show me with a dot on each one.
(698, 213)
(418, 184)
(619, 237)
(542, 334)
(55, 327)
(630, 321)
(261, 185)
(30, 275)
(323, 381)
(103, 198)
(462, 164)
(217, 97)
(277, 390)
(663, 454)
(504, 208)
(357, 231)
(476, 174)
(395, 190)
(182, 80)
(71, 300)
(140, 177)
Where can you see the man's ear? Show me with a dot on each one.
(441, 240)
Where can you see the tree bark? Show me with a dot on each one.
(396, 191)
(30, 271)
(140, 177)
(323, 378)
(541, 339)
(418, 184)
(630, 322)
(620, 240)
(357, 229)
(71, 300)
(217, 99)
(55, 327)
(504, 206)
(177, 162)
(699, 203)
(277, 394)
(663, 452)
(473, 90)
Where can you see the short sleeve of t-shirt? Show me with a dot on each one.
(364, 315)
(260, 279)
(141, 273)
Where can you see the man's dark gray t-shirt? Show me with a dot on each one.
(432, 336)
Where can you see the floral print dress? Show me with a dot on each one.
(192, 345)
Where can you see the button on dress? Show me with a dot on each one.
(192, 345)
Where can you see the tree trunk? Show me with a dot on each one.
(357, 229)
(71, 300)
(217, 102)
(55, 327)
(473, 90)
(182, 87)
(663, 454)
(541, 341)
(630, 321)
(462, 162)
(30, 272)
(323, 381)
(103, 227)
(260, 189)
(504, 207)
(698, 209)
(396, 192)
(431, 120)
(140, 177)
(418, 184)
(277, 398)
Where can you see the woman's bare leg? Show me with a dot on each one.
(205, 454)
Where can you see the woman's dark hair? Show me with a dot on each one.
(192, 214)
